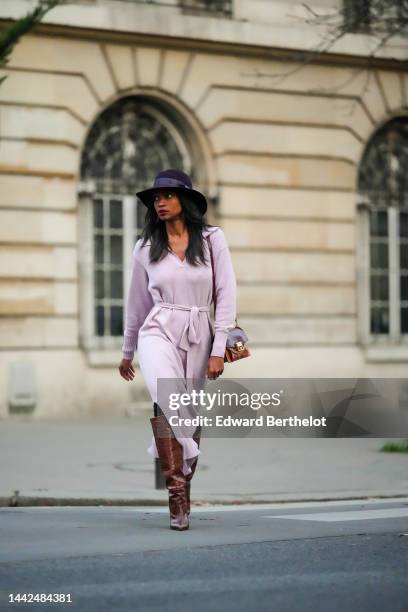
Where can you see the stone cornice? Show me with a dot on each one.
(216, 47)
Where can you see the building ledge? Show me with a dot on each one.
(395, 353)
(112, 16)
(106, 358)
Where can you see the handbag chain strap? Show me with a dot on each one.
(213, 276)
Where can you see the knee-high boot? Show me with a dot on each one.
(171, 461)
(196, 437)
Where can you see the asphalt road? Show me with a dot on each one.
(328, 556)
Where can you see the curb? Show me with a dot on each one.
(31, 501)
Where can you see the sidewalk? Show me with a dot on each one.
(104, 461)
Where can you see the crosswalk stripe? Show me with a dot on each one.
(346, 515)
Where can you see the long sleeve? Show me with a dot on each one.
(226, 292)
(139, 304)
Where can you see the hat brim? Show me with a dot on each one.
(146, 196)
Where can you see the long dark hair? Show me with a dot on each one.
(155, 231)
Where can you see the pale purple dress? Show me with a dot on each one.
(168, 318)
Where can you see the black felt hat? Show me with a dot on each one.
(177, 181)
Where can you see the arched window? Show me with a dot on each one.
(126, 147)
(383, 200)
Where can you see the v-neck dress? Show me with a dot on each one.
(168, 318)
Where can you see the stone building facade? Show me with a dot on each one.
(305, 170)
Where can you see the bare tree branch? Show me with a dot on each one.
(382, 19)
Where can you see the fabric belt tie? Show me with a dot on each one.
(192, 328)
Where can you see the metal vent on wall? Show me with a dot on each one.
(22, 396)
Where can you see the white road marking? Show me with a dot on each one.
(347, 515)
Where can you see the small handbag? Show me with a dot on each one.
(236, 340)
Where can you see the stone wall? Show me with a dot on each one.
(284, 157)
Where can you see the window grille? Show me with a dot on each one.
(126, 148)
(383, 187)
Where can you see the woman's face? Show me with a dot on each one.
(167, 205)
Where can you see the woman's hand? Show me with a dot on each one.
(215, 367)
(126, 369)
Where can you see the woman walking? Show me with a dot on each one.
(168, 316)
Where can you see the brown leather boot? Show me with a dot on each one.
(171, 461)
(196, 437)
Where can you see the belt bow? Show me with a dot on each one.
(191, 331)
